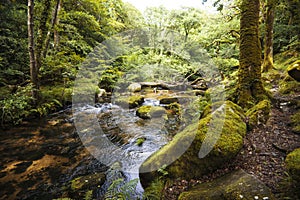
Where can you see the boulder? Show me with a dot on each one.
(233, 186)
(148, 112)
(201, 147)
(295, 122)
(168, 100)
(293, 165)
(135, 87)
(130, 102)
(258, 114)
(294, 70)
(175, 99)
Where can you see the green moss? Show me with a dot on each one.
(224, 127)
(289, 86)
(295, 120)
(293, 164)
(258, 114)
(175, 108)
(213, 107)
(140, 141)
(130, 102)
(294, 70)
(148, 112)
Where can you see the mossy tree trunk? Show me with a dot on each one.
(250, 88)
(268, 47)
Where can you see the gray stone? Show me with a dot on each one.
(135, 87)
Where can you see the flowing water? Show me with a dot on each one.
(49, 158)
(124, 129)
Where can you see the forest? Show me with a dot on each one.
(99, 100)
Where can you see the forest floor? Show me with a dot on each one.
(264, 152)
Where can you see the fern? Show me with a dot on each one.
(154, 191)
(119, 190)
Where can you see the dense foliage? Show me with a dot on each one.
(71, 32)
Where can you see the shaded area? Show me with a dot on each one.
(39, 160)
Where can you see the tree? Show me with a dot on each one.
(186, 20)
(268, 47)
(250, 88)
(31, 48)
(54, 23)
(14, 57)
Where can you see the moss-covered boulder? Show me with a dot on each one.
(200, 148)
(175, 99)
(233, 186)
(148, 112)
(294, 70)
(130, 102)
(295, 122)
(258, 114)
(293, 164)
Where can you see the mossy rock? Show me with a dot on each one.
(174, 108)
(130, 102)
(220, 134)
(175, 99)
(168, 100)
(258, 114)
(289, 86)
(295, 122)
(294, 70)
(140, 141)
(233, 186)
(88, 182)
(208, 109)
(148, 112)
(293, 165)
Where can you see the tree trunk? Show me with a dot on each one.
(250, 88)
(54, 23)
(293, 7)
(31, 49)
(268, 47)
(56, 35)
(42, 34)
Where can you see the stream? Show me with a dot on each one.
(50, 158)
(123, 128)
